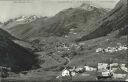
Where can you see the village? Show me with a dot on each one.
(103, 71)
(112, 49)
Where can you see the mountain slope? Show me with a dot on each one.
(5, 34)
(73, 18)
(14, 56)
(114, 20)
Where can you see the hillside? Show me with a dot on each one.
(5, 34)
(12, 55)
(114, 20)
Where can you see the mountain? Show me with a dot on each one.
(114, 20)
(24, 19)
(27, 18)
(19, 20)
(13, 55)
(73, 18)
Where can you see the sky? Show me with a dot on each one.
(14, 8)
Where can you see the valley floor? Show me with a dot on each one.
(87, 55)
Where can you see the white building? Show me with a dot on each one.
(102, 66)
(87, 68)
(123, 67)
(65, 72)
(99, 50)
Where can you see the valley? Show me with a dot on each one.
(40, 48)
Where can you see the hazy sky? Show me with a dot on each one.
(14, 8)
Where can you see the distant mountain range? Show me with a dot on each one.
(80, 19)
(93, 22)
(27, 19)
(24, 19)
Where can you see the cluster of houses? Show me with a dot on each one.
(112, 49)
(103, 70)
(115, 70)
(4, 72)
(75, 70)
(69, 47)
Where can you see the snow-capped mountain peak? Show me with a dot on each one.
(27, 18)
(87, 7)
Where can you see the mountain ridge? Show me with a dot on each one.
(114, 20)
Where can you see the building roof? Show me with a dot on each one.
(120, 71)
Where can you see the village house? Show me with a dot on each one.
(112, 49)
(87, 68)
(65, 72)
(102, 66)
(99, 50)
(104, 70)
(114, 66)
(123, 67)
(80, 70)
(119, 74)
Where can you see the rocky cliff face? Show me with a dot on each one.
(114, 20)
